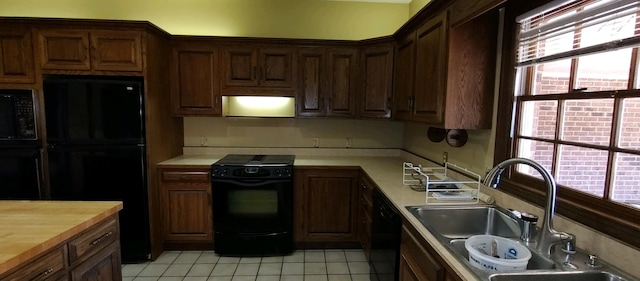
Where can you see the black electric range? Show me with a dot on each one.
(253, 204)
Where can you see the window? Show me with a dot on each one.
(588, 138)
(577, 103)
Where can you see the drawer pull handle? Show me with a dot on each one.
(45, 273)
(104, 236)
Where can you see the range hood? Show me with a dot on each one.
(258, 106)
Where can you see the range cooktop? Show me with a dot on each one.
(251, 160)
(248, 166)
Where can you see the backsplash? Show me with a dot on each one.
(476, 155)
(291, 132)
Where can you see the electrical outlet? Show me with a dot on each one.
(445, 157)
(349, 143)
(316, 142)
(203, 141)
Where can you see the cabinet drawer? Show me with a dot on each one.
(93, 240)
(47, 267)
(201, 176)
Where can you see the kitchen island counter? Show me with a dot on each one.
(30, 228)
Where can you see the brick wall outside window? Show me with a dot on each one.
(588, 121)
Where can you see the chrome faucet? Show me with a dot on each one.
(547, 237)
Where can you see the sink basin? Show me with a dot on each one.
(464, 222)
(536, 262)
(557, 276)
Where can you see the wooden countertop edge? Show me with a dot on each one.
(57, 240)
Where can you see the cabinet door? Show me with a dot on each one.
(275, 67)
(403, 83)
(240, 66)
(103, 266)
(326, 205)
(116, 50)
(416, 263)
(187, 206)
(376, 82)
(406, 272)
(342, 66)
(431, 70)
(16, 56)
(194, 73)
(64, 49)
(312, 73)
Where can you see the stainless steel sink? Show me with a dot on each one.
(557, 276)
(452, 225)
(464, 222)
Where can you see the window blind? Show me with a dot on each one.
(563, 29)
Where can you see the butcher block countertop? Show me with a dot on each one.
(29, 228)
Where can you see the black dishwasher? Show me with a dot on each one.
(385, 239)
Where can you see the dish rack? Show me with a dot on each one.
(439, 187)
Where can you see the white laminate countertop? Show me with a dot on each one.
(386, 172)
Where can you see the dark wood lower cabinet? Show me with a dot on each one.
(416, 262)
(419, 261)
(326, 206)
(187, 209)
(104, 266)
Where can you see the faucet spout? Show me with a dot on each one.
(547, 236)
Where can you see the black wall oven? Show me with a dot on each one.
(253, 204)
(20, 149)
(20, 172)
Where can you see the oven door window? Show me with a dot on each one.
(252, 202)
(256, 208)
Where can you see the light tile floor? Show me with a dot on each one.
(302, 265)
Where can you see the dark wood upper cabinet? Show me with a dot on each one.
(342, 85)
(444, 75)
(16, 56)
(276, 67)
(471, 72)
(312, 82)
(430, 73)
(374, 99)
(327, 82)
(195, 75)
(99, 50)
(116, 50)
(252, 70)
(404, 72)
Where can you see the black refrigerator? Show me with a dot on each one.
(96, 150)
